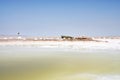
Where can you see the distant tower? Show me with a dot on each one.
(19, 37)
(18, 33)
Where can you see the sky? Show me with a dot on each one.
(60, 17)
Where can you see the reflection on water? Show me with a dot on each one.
(34, 63)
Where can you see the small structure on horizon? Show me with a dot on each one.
(19, 37)
(18, 33)
(67, 37)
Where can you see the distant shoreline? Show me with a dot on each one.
(62, 38)
(58, 42)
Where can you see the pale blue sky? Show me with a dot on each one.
(60, 17)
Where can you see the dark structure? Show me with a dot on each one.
(67, 37)
(18, 33)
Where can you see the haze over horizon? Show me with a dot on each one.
(60, 17)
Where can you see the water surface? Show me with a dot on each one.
(36, 63)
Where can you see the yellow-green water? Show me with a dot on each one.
(33, 63)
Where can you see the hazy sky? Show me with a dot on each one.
(60, 17)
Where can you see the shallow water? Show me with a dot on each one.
(36, 63)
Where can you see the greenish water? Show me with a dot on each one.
(34, 63)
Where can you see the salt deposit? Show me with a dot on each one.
(100, 44)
